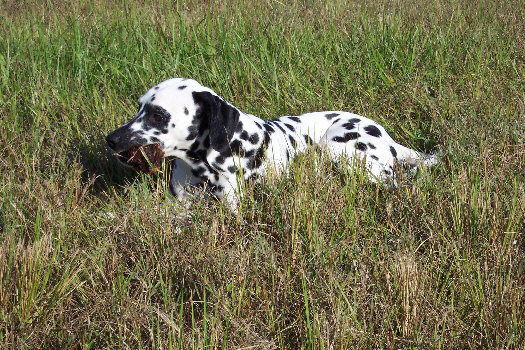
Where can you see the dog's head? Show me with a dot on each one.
(174, 115)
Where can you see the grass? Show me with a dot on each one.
(94, 256)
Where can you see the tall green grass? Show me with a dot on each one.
(96, 256)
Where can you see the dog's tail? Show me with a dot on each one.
(414, 159)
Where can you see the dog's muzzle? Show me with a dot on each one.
(118, 141)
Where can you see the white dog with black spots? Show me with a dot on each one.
(215, 143)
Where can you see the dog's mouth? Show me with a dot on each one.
(146, 158)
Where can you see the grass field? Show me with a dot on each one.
(93, 256)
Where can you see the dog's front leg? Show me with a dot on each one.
(230, 194)
(182, 182)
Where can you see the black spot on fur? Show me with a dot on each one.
(371, 146)
(156, 87)
(295, 119)
(244, 135)
(287, 155)
(278, 126)
(289, 127)
(165, 131)
(231, 169)
(220, 159)
(152, 98)
(236, 147)
(346, 137)
(388, 172)
(266, 141)
(196, 156)
(254, 138)
(268, 128)
(354, 120)
(198, 171)
(156, 133)
(186, 111)
(193, 132)
(210, 169)
(361, 146)
(348, 126)
(172, 125)
(239, 127)
(393, 151)
(256, 160)
(182, 87)
(308, 140)
(194, 146)
(153, 139)
(331, 116)
(373, 130)
(374, 157)
(292, 140)
(194, 129)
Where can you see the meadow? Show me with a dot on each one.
(96, 256)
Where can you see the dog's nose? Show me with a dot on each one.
(112, 140)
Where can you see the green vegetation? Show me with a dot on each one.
(95, 256)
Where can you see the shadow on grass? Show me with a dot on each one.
(101, 168)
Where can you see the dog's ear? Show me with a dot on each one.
(222, 119)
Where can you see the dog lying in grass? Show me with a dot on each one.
(216, 144)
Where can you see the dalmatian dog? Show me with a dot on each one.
(215, 144)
